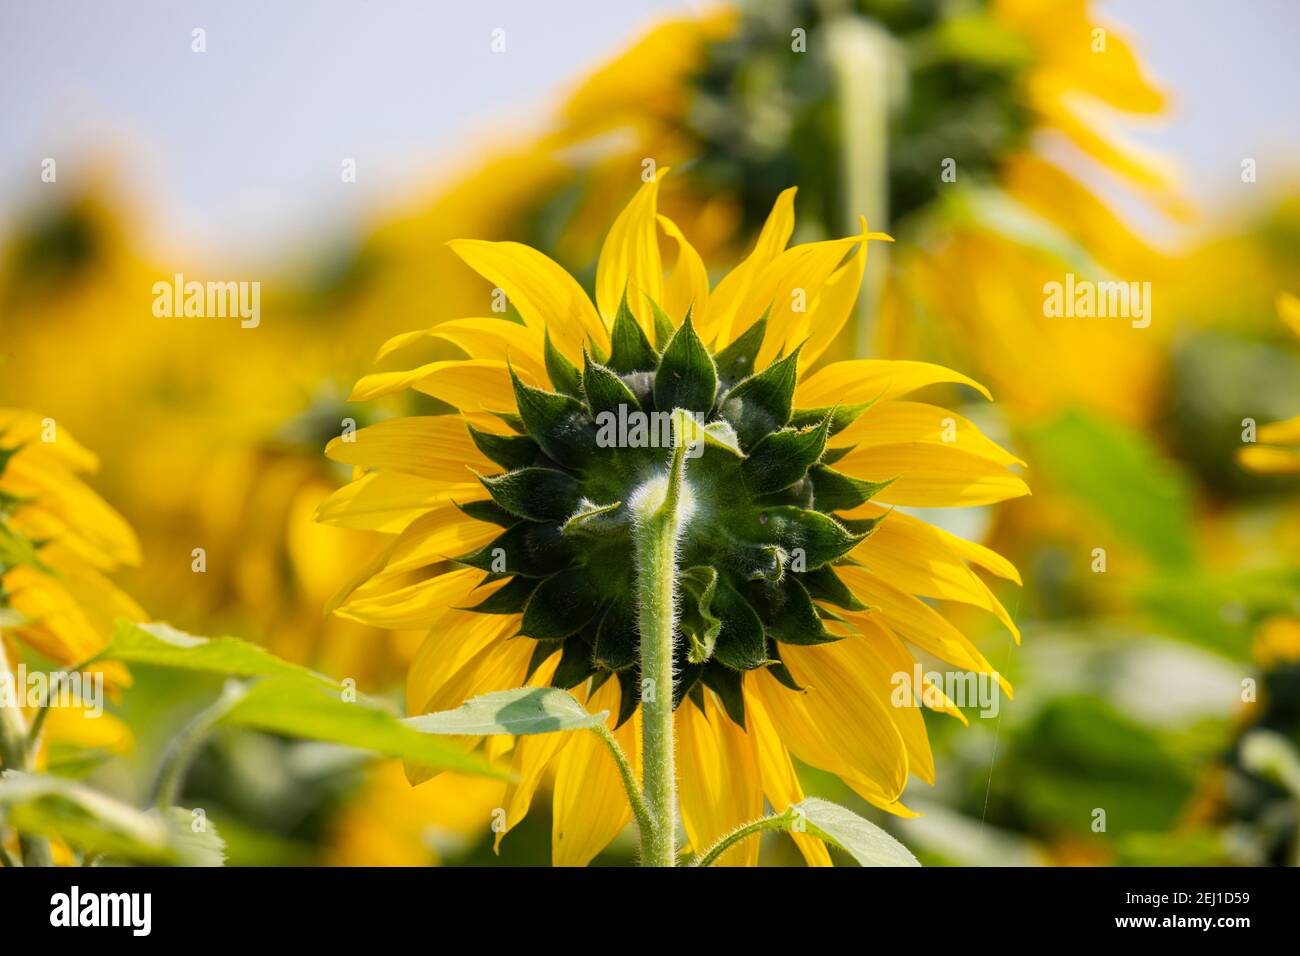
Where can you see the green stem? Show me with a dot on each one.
(186, 745)
(783, 822)
(644, 821)
(860, 54)
(13, 751)
(655, 546)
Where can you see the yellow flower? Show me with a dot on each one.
(58, 542)
(1278, 451)
(798, 621)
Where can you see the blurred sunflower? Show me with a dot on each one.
(1278, 450)
(802, 590)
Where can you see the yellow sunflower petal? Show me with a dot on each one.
(629, 259)
(1270, 461)
(932, 476)
(437, 447)
(718, 780)
(545, 295)
(687, 285)
(896, 422)
(865, 380)
(389, 501)
(724, 322)
(589, 805)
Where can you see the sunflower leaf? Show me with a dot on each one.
(861, 839)
(521, 711)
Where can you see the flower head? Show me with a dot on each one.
(800, 587)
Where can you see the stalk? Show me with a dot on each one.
(860, 55)
(16, 756)
(655, 546)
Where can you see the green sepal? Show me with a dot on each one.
(564, 375)
(726, 683)
(822, 538)
(630, 350)
(825, 585)
(508, 451)
(538, 494)
(488, 511)
(510, 598)
(595, 521)
(617, 642)
(792, 617)
(741, 643)
(700, 623)
(836, 491)
(864, 527)
(842, 416)
(527, 549)
(777, 669)
(629, 695)
(782, 458)
(603, 390)
(686, 377)
(541, 652)
(736, 361)
(575, 664)
(663, 325)
(559, 423)
(688, 676)
(762, 402)
(561, 605)
(754, 562)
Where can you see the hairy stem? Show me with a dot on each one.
(783, 822)
(186, 745)
(655, 546)
(635, 798)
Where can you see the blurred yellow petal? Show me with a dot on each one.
(389, 501)
(897, 422)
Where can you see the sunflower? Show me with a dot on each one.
(1278, 451)
(801, 588)
(58, 541)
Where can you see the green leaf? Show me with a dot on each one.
(522, 711)
(56, 807)
(508, 451)
(199, 845)
(762, 403)
(538, 494)
(1118, 474)
(563, 374)
(630, 350)
(313, 712)
(162, 645)
(861, 839)
(686, 377)
(783, 457)
(736, 361)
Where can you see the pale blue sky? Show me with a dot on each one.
(238, 150)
